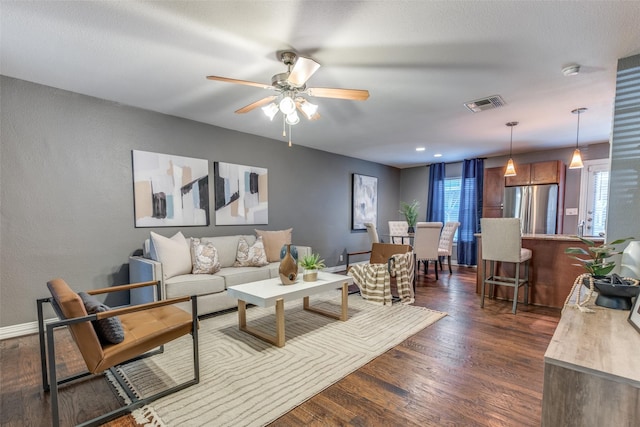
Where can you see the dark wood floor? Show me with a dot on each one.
(475, 367)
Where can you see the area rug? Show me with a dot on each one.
(247, 382)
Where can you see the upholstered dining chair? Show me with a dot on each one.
(502, 242)
(108, 338)
(398, 228)
(445, 246)
(372, 232)
(425, 245)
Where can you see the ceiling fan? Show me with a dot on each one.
(291, 86)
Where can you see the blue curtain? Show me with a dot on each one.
(435, 197)
(470, 210)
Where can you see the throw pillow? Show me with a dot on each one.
(204, 257)
(174, 254)
(273, 241)
(250, 256)
(109, 330)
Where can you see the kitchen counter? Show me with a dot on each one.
(552, 272)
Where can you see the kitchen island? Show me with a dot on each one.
(552, 272)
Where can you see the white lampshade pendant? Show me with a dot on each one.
(576, 159)
(293, 118)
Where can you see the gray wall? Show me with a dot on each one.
(67, 192)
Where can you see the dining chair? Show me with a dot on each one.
(445, 246)
(502, 242)
(399, 229)
(425, 245)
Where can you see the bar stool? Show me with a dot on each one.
(502, 241)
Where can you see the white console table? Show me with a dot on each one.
(592, 371)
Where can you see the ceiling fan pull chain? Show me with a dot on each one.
(284, 125)
(289, 135)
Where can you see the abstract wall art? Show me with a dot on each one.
(170, 191)
(365, 201)
(241, 194)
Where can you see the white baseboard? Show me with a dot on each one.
(21, 329)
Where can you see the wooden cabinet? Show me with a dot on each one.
(493, 192)
(537, 173)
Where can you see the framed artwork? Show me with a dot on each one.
(241, 194)
(170, 191)
(634, 316)
(364, 201)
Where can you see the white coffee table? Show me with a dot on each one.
(271, 292)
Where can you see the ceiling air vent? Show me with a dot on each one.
(488, 103)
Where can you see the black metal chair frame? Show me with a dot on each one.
(51, 383)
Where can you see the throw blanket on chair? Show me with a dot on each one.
(402, 268)
(373, 281)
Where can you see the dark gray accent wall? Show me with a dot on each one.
(67, 191)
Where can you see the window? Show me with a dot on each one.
(594, 197)
(452, 201)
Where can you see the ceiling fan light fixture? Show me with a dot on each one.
(293, 118)
(308, 108)
(287, 106)
(576, 159)
(270, 110)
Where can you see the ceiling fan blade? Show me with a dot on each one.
(327, 92)
(256, 104)
(242, 82)
(302, 70)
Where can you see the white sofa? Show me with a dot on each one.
(210, 288)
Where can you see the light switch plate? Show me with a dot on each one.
(571, 211)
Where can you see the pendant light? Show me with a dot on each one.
(511, 169)
(576, 160)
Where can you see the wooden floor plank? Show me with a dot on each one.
(475, 367)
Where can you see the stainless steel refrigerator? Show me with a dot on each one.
(535, 205)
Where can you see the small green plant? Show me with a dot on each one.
(596, 264)
(312, 262)
(410, 212)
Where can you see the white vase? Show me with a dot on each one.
(630, 263)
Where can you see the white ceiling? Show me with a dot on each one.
(420, 61)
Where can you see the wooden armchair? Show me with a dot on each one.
(146, 327)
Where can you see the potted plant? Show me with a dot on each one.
(597, 264)
(613, 291)
(311, 264)
(410, 212)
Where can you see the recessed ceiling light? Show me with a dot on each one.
(420, 149)
(437, 155)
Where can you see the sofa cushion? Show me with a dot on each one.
(251, 256)
(227, 247)
(109, 330)
(204, 257)
(240, 275)
(273, 242)
(193, 284)
(174, 254)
